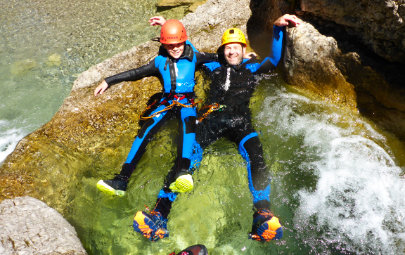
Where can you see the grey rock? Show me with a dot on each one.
(204, 28)
(380, 25)
(29, 226)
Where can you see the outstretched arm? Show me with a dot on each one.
(274, 58)
(278, 33)
(131, 75)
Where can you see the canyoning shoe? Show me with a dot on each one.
(197, 249)
(183, 183)
(152, 226)
(266, 226)
(116, 186)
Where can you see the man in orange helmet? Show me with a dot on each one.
(175, 66)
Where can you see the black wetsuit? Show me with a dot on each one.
(232, 87)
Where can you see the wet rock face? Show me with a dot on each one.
(380, 25)
(349, 53)
(370, 54)
(310, 62)
(29, 226)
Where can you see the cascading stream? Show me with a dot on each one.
(336, 182)
(356, 202)
(44, 45)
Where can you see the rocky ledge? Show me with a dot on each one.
(363, 75)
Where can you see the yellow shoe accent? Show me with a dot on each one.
(183, 183)
(143, 227)
(102, 186)
(273, 225)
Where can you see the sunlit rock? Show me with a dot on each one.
(310, 62)
(174, 3)
(29, 226)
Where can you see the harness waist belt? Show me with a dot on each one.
(169, 96)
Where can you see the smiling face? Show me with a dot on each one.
(233, 53)
(174, 50)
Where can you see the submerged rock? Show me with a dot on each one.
(29, 226)
(54, 60)
(23, 66)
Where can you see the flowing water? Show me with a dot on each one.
(45, 44)
(336, 182)
(336, 188)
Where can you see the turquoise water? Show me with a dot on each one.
(44, 45)
(336, 188)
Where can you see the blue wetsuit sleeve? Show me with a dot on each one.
(134, 74)
(208, 68)
(271, 61)
(277, 45)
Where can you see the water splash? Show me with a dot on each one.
(8, 139)
(356, 205)
(357, 202)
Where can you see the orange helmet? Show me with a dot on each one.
(173, 32)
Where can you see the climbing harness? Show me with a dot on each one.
(175, 102)
(212, 107)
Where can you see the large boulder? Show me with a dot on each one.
(29, 226)
(310, 62)
(380, 24)
(351, 53)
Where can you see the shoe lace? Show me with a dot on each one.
(120, 177)
(159, 221)
(265, 213)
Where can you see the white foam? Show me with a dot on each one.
(358, 197)
(8, 139)
(358, 201)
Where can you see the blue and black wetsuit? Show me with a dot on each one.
(177, 77)
(232, 87)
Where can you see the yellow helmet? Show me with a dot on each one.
(233, 35)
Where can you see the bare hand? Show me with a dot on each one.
(250, 55)
(288, 19)
(157, 21)
(101, 88)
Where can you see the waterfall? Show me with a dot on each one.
(356, 204)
